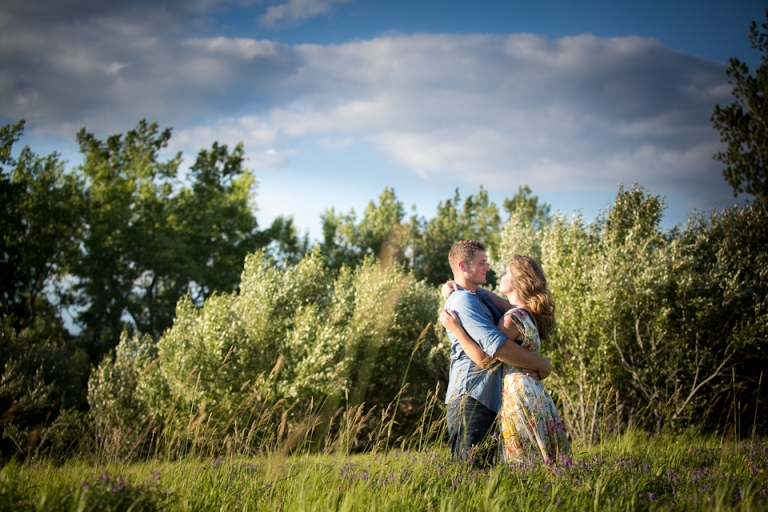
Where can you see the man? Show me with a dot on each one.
(473, 396)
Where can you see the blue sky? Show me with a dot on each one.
(337, 99)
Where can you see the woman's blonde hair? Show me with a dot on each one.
(531, 286)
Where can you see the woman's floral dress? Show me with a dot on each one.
(529, 423)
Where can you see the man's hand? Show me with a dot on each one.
(540, 374)
(487, 362)
(448, 288)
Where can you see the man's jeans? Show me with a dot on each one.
(470, 423)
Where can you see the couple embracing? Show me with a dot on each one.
(494, 389)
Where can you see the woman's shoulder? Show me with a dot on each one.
(522, 317)
(518, 312)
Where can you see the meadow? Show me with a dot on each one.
(634, 471)
(297, 377)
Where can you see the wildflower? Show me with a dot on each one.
(86, 486)
(652, 496)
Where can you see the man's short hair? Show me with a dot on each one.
(463, 250)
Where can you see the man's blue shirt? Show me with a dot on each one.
(465, 376)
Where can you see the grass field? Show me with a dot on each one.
(633, 472)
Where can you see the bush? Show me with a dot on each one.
(248, 368)
(656, 329)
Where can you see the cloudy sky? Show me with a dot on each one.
(337, 99)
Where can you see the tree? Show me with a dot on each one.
(527, 205)
(742, 124)
(338, 245)
(42, 371)
(478, 219)
(39, 225)
(128, 246)
(216, 223)
(151, 238)
(380, 233)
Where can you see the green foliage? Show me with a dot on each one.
(42, 369)
(19, 491)
(126, 266)
(295, 336)
(240, 340)
(527, 206)
(120, 420)
(151, 239)
(39, 225)
(633, 472)
(381, 233)
(431, 240)
(41, 377)
(121, 238)
(742, 124)
(652, 324)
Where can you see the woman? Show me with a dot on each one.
(528, 420)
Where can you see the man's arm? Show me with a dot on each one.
(515, 355)
(492, 340)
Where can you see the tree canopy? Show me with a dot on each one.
(743, 124)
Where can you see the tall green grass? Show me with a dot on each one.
(632, 472)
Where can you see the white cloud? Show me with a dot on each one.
(293, 10)
(578, 113)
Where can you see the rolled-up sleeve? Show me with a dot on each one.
(475, 321)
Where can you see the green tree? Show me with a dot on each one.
(216, 223)
(478, 219)
(42, 371)
(432, 240)
(128, 247)
(742, 124)
(151, 239)
(338, 245)
(380, 233)
(39, 225)
(528, 207)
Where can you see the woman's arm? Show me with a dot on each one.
(451, 286)
(451, 322)
(510, 328)
(502, 304)
(537, 367)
